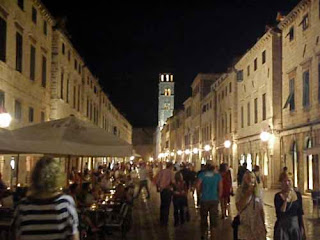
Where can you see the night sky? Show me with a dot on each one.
(127, 45)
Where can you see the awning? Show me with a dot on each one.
(312, 151)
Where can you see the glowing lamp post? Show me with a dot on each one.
(265, 136)
(227, 144)
(5, 118)
(207, 148)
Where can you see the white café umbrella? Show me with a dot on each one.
(70, 136)
(7, 142)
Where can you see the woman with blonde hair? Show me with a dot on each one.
(46, 213)
(289, 211)
(250, 209)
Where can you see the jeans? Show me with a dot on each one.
(143, 184)
(165, 195)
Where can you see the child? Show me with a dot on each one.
(179, 199)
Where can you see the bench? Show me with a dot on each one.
(119, 220)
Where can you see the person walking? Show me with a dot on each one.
(241, 171)
(209, 185)
(46, 213)
(179, 199)
(250, 209)
(289, 211)
(227, 189)
(164, 181)
(143, 175)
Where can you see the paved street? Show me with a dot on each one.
(146, 223)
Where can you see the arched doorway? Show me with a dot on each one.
(295, 164)
(309, 167)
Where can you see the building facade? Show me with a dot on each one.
(301, 93)
(42, 78)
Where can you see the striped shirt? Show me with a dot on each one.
(46, 219)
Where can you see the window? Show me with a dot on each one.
(319, 82)
(34, 15)
(3, 39)
(75, 64)
(21, 4)
(78, 98)
(226, 90)
(31, 113)
(43, 117)
(306, 89)
(2, 99)
(264, 107)
(69, 55)
(305, 22)
(32, 62)
(45, 28)
(44, 72)
(19, 52)
(230, 87)
(62, 85)
(241, 117)
(17, 110)
(248, 114)
(263, 56)
(255, 110)
(248, 70)
(88, 106)
(230, 123)
(74, 96)
(290, 99)
(68, 84)
(291, 34)
(240, 75)
(255, 64)
(63, 48)
(79, 69)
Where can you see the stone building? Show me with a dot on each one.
(225, 112)
(25, 66)
(42, 78)
(207, 128)
(259, 105)
(300, 134)
(142, 142)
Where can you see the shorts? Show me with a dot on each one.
(212, 208)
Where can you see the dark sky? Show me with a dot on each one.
(127, 45)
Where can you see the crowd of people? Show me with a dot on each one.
(46, 202)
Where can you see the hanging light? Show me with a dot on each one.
(132, 158)
(195, 150)
(5, 118)
(172, 154)
(179, 152)
(227, 144)
(187, 151)
(265, 136)
(207, 148)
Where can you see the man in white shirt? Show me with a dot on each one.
(143, 175)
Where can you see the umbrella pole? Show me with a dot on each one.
(81, 169)
(68, 167)
(17, 174)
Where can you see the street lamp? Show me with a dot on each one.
(265, 136)
(5, 118)
(207, 148)
(227, 144)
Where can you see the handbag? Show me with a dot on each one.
(236, 221)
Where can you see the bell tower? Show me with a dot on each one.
(166, 105)
(166, 98)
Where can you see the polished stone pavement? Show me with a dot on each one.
(146, 220)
